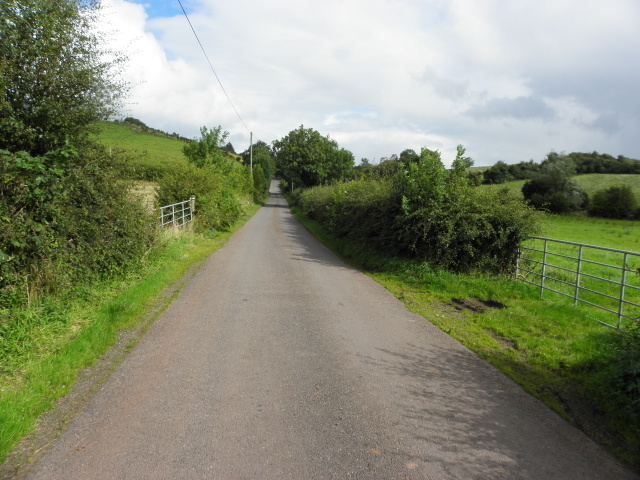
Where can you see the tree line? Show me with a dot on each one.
(584, 163)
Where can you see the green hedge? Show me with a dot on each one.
(427, 212)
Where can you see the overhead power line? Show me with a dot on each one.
(211, 66)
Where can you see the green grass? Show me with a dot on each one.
(591, 183)
(149, 154)
(600, 271)
(59, 337)
(556, 352)
(145, 149)
(601, 232)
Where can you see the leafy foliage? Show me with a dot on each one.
(264, 168)
(427, 212)
(219, 183)
(208, 149)
(54, 79)
(306, 158)
(614, 202)
(363, 211)
(584, 163)
(553, 190)
(454, 226)
(66, 216)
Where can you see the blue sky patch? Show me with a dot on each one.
(161, 8)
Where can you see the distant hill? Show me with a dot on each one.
(591, 182)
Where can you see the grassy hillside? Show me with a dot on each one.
(598, 181)
(148, 153)
(591, 183)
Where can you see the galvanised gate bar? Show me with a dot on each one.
(606, 278)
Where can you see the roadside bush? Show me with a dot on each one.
(106, 231)
(65, 216)
(617, 382)
(614, 202)
(220, 191)
(315, 202)
(365, 211)
(427, 212)
(454, 226)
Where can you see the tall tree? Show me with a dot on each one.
(306, 158)
(56, 76)
(552, 189)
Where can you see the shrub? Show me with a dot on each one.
(66, 216)
(454, 226)
(614, 202)
(365, 211)
(315, 202)
(427, 212)
(555, 194)
(219, 189)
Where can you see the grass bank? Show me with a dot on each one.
(59, 337)
(556, 352)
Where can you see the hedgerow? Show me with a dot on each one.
(66, 216)
(427, 212)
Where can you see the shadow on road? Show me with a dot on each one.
(473, 408)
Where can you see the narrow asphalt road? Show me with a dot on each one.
(278, 360)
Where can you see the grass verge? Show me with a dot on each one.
(35, 376)
(555, 351)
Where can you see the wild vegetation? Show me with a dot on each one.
(428, 212)
(81, 256)
(305, 159)
(561, 183)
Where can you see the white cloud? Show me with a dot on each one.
(509, 80)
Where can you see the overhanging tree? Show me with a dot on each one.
(56, 76)
(306, 158)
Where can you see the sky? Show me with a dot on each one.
(510, 80)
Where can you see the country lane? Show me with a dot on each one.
(277, 360)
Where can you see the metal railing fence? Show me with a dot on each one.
(605, 278)
(178, 214)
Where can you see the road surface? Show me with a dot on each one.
(278, 360)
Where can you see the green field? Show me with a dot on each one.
(143, 149)
(601, 232)
(591, 183)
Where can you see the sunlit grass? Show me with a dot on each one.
(591, 183)
(601, 232)
(146, 149)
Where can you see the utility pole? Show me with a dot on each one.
(251, 154)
